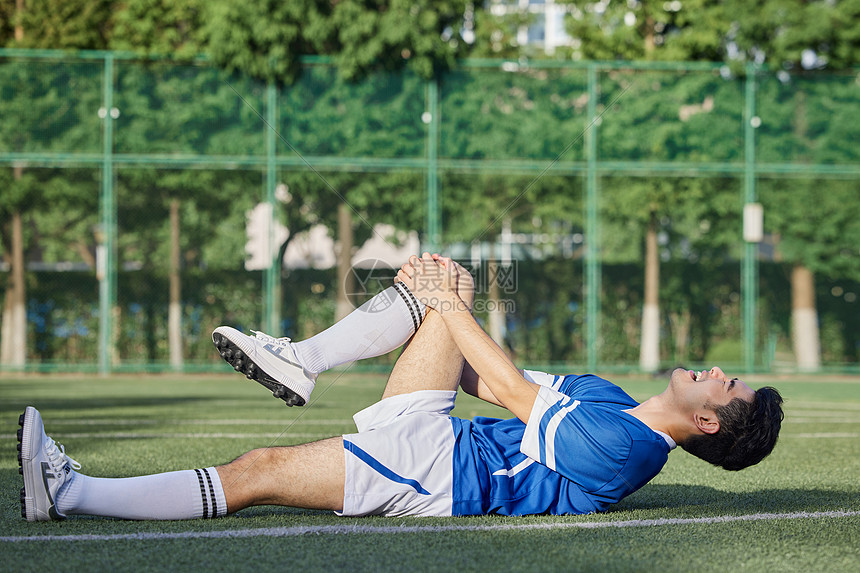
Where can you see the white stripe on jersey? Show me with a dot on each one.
(551, 428)
(516, 469)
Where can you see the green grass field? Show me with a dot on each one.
(128, 425)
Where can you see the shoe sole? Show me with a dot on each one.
(24, 501)
(25, 435)
(240, 362)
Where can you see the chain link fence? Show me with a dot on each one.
(129, 188)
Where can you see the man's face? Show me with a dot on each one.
(710, 387)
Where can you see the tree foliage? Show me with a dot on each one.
(65, 24)
(174, 28)
(795, 34)
(266, 39)
(370, 105)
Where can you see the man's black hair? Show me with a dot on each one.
(747, 434)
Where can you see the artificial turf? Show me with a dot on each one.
(130, 425)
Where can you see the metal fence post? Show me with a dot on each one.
(592, 260)
(749, 269)
(272, 274)
(432, 236)
(106, 256)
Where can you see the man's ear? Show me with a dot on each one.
(707, 422)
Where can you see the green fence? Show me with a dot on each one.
(559, 164)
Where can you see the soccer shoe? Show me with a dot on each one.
(268, 360)
(44, 465)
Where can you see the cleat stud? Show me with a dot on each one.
(20, 434)
(237, 366)
(20, 470)
(19, 446)
(20, 461)
(279, 392)
(21, 420)
(239, 355)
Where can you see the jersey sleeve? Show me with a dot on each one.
(548, 413)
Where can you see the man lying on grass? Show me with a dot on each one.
(577, 444)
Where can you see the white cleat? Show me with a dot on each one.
(45, 467)
(268, 360)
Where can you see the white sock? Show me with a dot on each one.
(187, 494)
(382, 324)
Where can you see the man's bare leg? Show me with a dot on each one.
(312, 475)
(309, 476)
(431, 360)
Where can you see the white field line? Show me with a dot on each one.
(821, 413)
(822, 435)
(305, 435)
(822, 421)
(805, 418)
(826, 405)
(192, 435)
(394, 529)
(215, 422)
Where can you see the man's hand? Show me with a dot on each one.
(436, 281)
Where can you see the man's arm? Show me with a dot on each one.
(502, 379)
(433, 282)
(472, 384)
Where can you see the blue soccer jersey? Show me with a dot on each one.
(579, 452)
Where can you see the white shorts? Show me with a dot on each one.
(401, 461)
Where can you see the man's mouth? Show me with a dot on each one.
(695, 375)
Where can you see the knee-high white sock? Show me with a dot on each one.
(184, 494)
(382, 324)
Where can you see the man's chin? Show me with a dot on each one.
(680, 376)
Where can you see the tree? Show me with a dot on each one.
(530, 114)
(43, 98)
(183, 109)
(649, 30)
(7, 21)
(64, 24)
(803, 40)
(267, 39)
(363, 37)
(815, 219)
(157, 101)
(652, 30)
(789, 35)
(160, 28)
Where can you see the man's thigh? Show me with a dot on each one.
(401, 460)
(431, 361)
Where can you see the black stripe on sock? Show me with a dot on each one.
(415, 304)
(212, 493)
(407, 298)
(203, 493)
